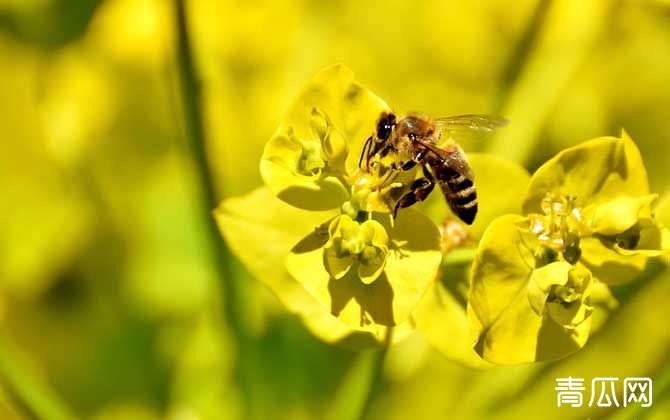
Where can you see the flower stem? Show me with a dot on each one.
(542, 69)
(34, 396)
(459, 256)
(520, 54)
(360, 385)
(232, 293)
(376, 380)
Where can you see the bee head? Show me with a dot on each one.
(385, 126)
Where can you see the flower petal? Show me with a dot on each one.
(595, 171)
(370, 272)
(336, 266)
(501, 269)
(606, 264)
(572, 313)
(541, 281)
(621, 213)
(651, 240)
(442, 319)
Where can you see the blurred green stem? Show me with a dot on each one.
(548, 57)
(360, 385)
(232, 289)
(459, 256)
(22, 385)
(521, 53)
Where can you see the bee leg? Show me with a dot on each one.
(387, 178)
(417, 158)
(386, 150)
(366, 151)
(373, 150)
(382, 149)
(419, 190)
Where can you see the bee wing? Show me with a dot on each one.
(476, 122)
(452, 155)
(469, 129)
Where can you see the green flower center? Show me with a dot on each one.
(352, 242)
(570, 292)
(310, 162)
(325, 150)
(373, 191)
(372, 255)
(353, 239)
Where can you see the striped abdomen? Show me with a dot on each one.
(458, 189)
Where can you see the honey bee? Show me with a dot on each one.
(416, 139)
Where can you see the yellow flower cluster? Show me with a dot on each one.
(545, 252)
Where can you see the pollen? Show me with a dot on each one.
(559, 227)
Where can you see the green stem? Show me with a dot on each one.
(34, 396)
(376, 369)
(542, 70)
(360, 385)
(459, 256)
(520, 54)
(232, 290)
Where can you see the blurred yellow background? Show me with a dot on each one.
(108, 291)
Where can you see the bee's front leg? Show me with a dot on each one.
(383, 149)
(365, 153)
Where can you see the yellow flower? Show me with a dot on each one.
(361, 268)
(589, 223)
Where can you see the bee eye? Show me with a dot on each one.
(412, 136)
(384, 130)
